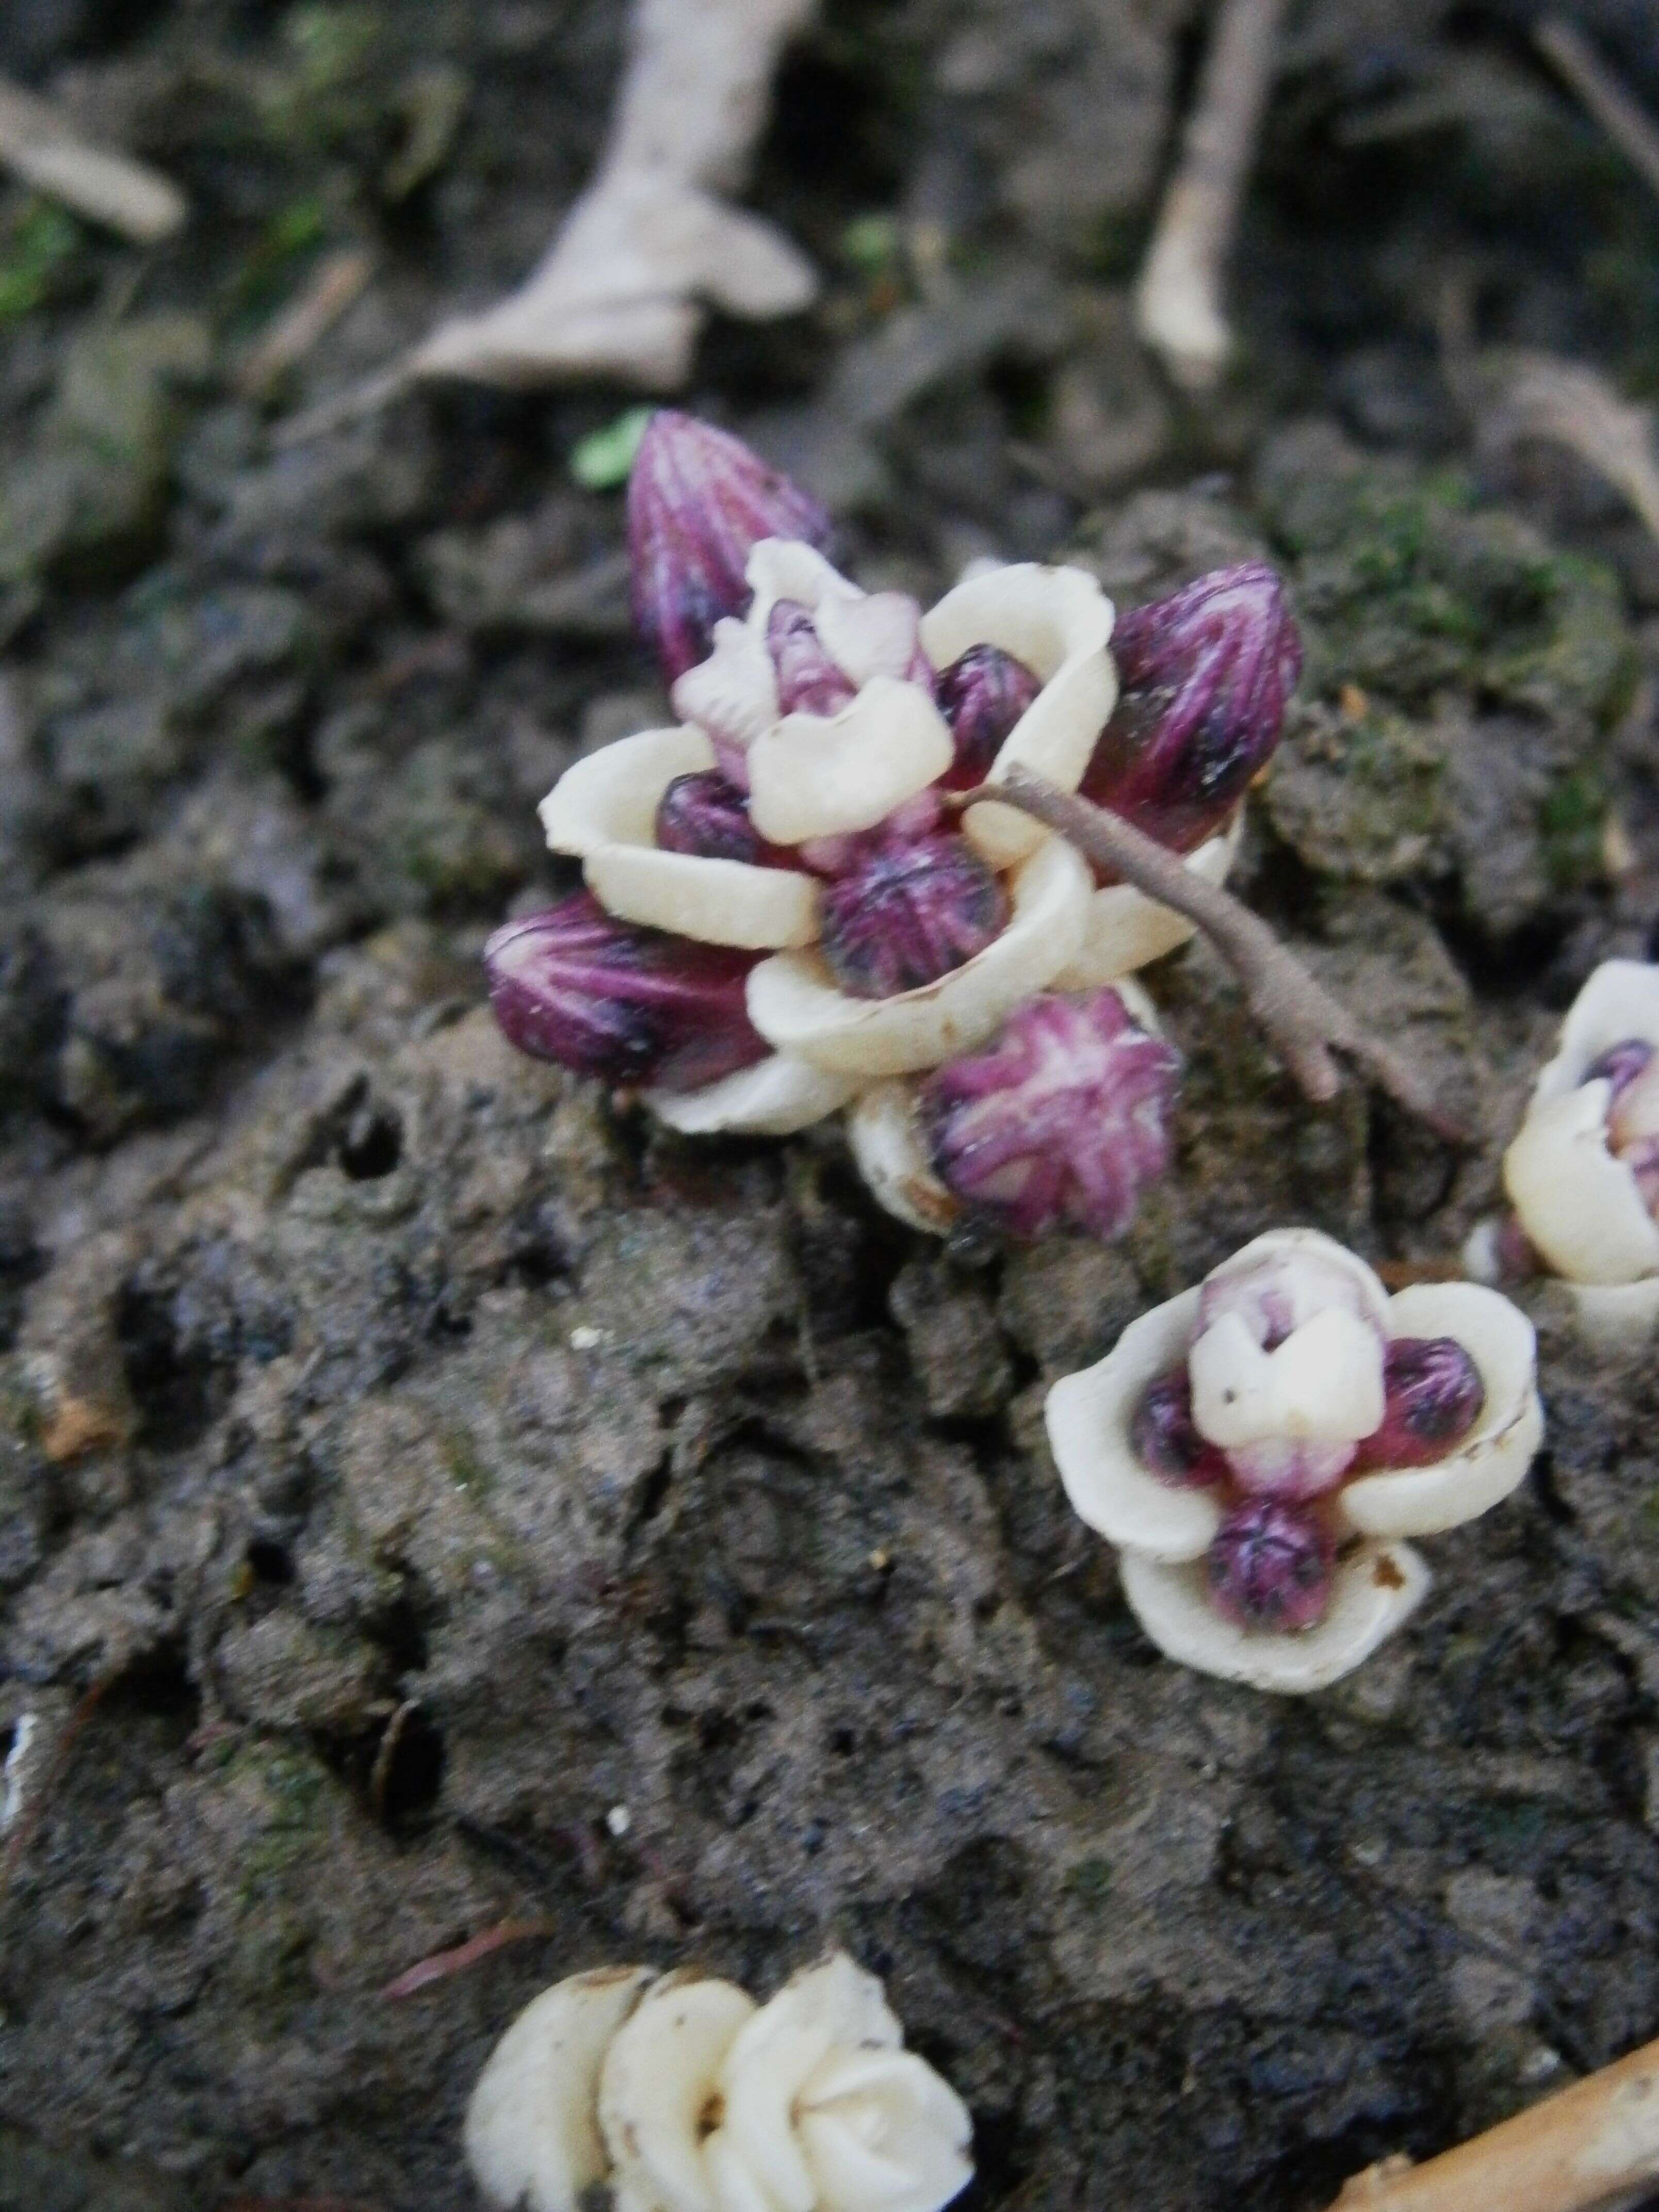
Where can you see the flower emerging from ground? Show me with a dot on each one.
(793, 834)
(1258, 1447)
(678, 2093)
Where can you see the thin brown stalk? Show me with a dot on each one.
(1629, 126)
(1595, 2141)
(1305, 1025)
(443, 1964)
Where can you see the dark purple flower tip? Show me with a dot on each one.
(1167, 1443)
(698, 501)
(1206, 674)
(981, 696)
(705, 814)
(1064, 1118)
(905, 914)
(1434, 1398)
(603, 997)
(809, 681)
(1271, 1565)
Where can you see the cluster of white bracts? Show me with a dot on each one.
(1322, 1385)
(814, 777)
(684, 2095)
(1578, 1202)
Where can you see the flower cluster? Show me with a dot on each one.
(1582, 1171)
(1257, 1447)
(785, 912)
(682, 2096)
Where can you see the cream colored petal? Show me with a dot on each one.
(1126, 929)
(893, 1160)
(1327, 1380)
(716, 902)
(611, 797)
(531, 2133)
(794, 1004)
(1312, 1244)
(736, 2188)
(1375, 1588)
(1058, 621)
(1493, 1460)
(1579, 1204)
(1621, 1001)
(788, 569)
(814, 776)
(774, 1098)
(882, 2132)
(734, 692)
(1617, 1317)
(1089, 1416)
(656, 2084)
(875, 636)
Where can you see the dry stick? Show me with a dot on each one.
(1303, 1022)
(1594, 2140)
(1629, 126)
(1178, 300)
(43, 147)
(442, 1964)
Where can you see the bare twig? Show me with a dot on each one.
(1511, 395)
(1592, 2142)
(1305, 1025)
(1629, 126)
(336, 284)
(41, 146)
(1178, 300)
(443, 1964)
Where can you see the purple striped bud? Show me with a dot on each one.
(1632, 1071)
(698, 503)
(1165, 1440)
(1206, 674)
(809, 681)
(1434, 1398)
(627, 1005)
(1270, 1566)
(982, 695)
(1064, 1118)
(705, 814)
(904, 915)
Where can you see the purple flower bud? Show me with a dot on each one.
(809, 681)
(698, 501)
(1434, 1398)
(1270, 1566)
(627, 1005)
(705, 814)
(1165, 1440)
(1066, 1117)
(1206, 674)
(905, 914)
(981, 696)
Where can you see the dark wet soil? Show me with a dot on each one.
(423, 1459)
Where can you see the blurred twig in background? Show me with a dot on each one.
(39, 144)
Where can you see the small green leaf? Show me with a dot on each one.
(871, 243)
(600, 461)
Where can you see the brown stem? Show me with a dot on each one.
(1303, 1022)
(1596, 2140)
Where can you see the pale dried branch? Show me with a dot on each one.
(1179, 299)
(41, 146)
(1629, 126)
(1512, 396)
(339, 282)
(1304, 1024)
(1583, 2147)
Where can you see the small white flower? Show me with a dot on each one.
(684, 2096)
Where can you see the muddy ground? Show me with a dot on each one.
(425, 1460)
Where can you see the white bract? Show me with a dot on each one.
(1283, 1349)
(684, 2095)
(1570, 1173)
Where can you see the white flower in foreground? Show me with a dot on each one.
(684, 2096)
(1257, 1447)
(1583, 1172)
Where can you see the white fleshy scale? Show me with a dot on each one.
(716, 902)
(1300, 1291)
(775, 1098)
(1058, 622)
(1127, 929)
(817, 775)
(889, 1154)
(611, 796)
(796, 1006)
(681, 2095)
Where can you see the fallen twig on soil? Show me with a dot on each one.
(40, 145)
(1178, 300)
(442, 1964)
(1597, 2140)
(1511, 396)
(1304, 1024)
(339, 282)
(1629, 126)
